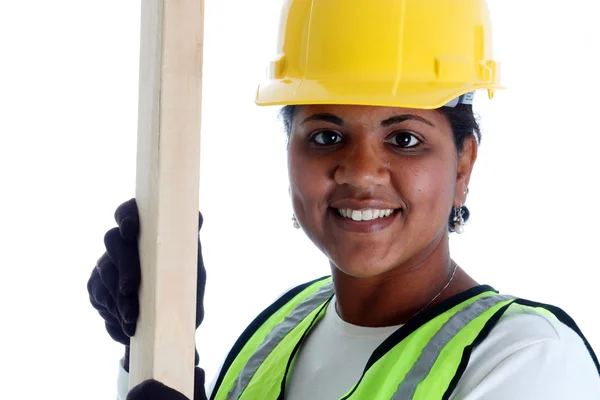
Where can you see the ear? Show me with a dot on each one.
(466, 161)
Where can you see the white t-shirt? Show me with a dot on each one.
(526, 356)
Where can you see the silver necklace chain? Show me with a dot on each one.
(440, 292)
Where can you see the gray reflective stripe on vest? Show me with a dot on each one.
(276, 335)
(422, 367)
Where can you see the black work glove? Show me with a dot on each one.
(154, 390)
(114, 282)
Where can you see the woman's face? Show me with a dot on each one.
(373, 186)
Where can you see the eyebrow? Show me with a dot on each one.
(325, 117)
(396, 119)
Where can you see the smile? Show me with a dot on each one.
(364, 215)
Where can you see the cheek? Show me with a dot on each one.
(429, 188)
(310, 183)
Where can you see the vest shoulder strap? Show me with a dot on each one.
(563, 317)
(256, 324)
(542, 308)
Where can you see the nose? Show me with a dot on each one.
(362, 166)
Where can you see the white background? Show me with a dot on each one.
(68, 116)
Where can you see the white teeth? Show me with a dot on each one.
(364, 215)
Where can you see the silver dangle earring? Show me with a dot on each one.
(295, 222)
(458, 219)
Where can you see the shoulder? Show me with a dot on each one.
(277, 304)
(530, 355)
(521, 326)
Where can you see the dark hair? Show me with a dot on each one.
(462, 120)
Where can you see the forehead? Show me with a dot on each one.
(369, 115)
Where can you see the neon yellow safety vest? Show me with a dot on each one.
(422, 360)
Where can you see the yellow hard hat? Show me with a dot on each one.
(402, 53)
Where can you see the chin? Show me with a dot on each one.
(361, 268)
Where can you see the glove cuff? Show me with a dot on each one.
(126, 359)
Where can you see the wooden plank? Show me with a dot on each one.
(167, 190)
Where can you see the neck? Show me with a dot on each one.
(395, 296)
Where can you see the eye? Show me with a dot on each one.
(326, 138)
(405, 140)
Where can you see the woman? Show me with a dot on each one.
(382, 143)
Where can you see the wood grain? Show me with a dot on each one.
(167, 190)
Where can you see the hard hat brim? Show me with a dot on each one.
(402, 95)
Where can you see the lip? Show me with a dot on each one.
(372, 226)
